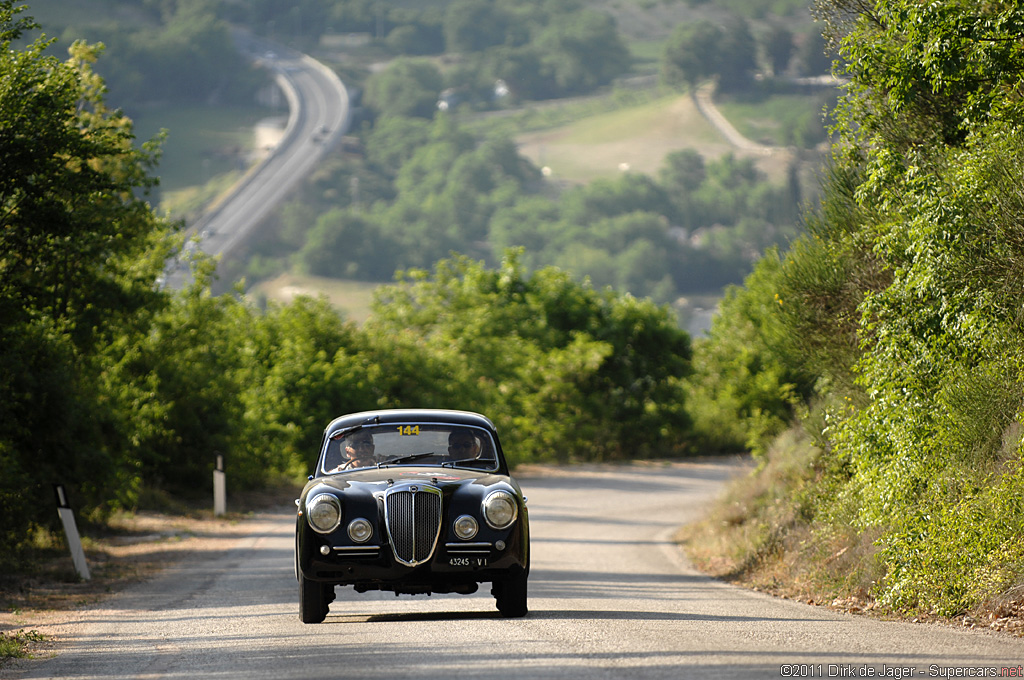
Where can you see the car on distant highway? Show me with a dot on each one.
(411, 501)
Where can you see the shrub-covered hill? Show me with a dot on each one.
(877, 368)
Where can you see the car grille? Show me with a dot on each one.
(413, 518)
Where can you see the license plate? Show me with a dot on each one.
(468, 561)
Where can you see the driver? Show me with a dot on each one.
(463, 445)
(359, 450)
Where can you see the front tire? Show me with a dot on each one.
(314, 599)
(510, 595)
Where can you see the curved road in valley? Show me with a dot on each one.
(610, 596)
(319, 114)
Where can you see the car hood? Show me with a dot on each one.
(379, 479)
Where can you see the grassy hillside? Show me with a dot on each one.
(637, 138)
(876, 367)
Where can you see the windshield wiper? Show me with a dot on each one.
(453, 463)
(406, 459)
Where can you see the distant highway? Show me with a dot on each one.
(319, 114)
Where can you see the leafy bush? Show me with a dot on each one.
(568, 372)
(902, 303)
(13, 644)
(747, 382)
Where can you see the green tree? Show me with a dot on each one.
(80, 250)
(348, 245)
(691, 54)
(474, 25)
(629, 193)
(903, 303)
(682, 171)
(185, 53)
(406, 88)
(448, 191)
(523, 69)
(394, 140)
(582, 51)
(416, 32)
(305, 367)
(778, 47)
(737, 54)
(567, 371)
(813, 57)
(749, 378)
(533, 224)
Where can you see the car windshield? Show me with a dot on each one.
(410, 444)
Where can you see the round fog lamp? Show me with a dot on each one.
(466, 527)
(360, 530)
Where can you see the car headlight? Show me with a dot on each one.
(500, 509)
(466, 527)
(323, 513)
(360, 530)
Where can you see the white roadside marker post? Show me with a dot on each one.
(219, 489)
(67, 517)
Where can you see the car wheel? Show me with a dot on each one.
(510, 594)
(314, 598)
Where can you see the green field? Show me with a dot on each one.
(772, 120)
(206, 147)
(635, 139)
(351, 298)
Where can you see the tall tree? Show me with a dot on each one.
(582, 51)
(407, 88)
(778, 47)
(737, 60)
(474, 25)
(691, 53)
(80, 250)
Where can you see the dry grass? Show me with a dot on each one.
(759, 535)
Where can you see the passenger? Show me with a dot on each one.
(463, 445)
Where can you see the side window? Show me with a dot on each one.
(487, 450)
(332, 457)
(471, 447)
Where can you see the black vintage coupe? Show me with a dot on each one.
(414, 502)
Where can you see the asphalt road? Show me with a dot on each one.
(610, 596)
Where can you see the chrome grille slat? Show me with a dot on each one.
(357, 551)
(460, 549)
(412, 515)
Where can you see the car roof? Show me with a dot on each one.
(419, 415)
